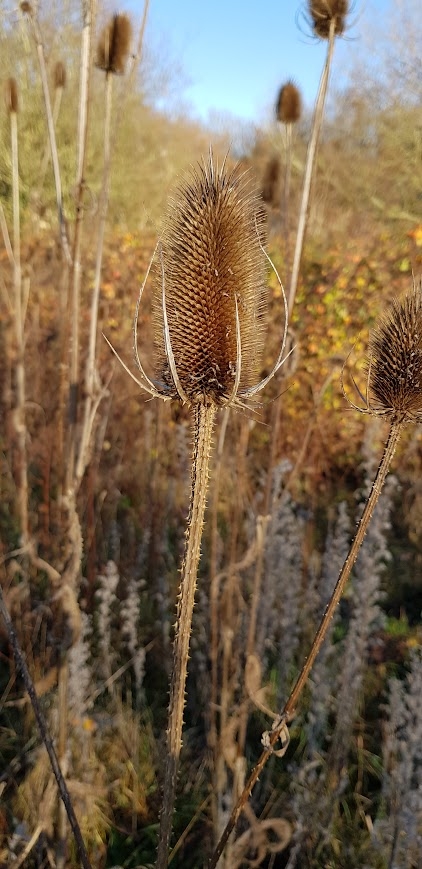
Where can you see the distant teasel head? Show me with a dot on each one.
(59, 75)
(11, 96)
(271, 179)
(323, 12)
(213, 272)
(288, 107)
(114, 44)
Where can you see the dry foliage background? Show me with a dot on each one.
(350, 791)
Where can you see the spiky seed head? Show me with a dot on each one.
(271, 179)
(26, 8)
(11, 96)
(212, 261)
(59, 75)
(114, 44)
(395, 360)
(322, 12)
(288, 107)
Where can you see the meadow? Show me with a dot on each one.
(103, 551)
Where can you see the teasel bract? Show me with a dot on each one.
(209, 284)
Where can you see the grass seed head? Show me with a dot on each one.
(59, 75)
(288, 107)
(395, 360)
(11, 96)
(322, 12)
(212, 260)
(114, 44)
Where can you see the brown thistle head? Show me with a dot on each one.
(211, 288)
(11, 96)
(271, 179)
(395, 360)
(323, 12)
(59, 75)
(114, 44)
(288, 107)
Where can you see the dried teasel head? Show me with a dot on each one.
(394, 364)
(26, 8)
(114, 44)
(271, 180)
(11, 96)
(323, 12)
(59, 75)
(214, 275)
(288, 107)
(210, 295)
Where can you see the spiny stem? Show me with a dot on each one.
(289, 708)
(310, 166)
(203, 429)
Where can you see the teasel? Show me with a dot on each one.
(393, 390)
(328, 14)
(114, 44)
(11, 96)
(59, 75)
(288, 108)
(209, 327)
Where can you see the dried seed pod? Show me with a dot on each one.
(11, 96)
(271, 179)
(59, 75)
(288, 107)
(213, 273)
(395, 360)
(322, 12)
(26, 8)
(114, 44)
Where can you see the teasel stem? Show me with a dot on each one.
(203, 425)
(51, 134)
(19, 317)
(92, 388)
(279, 727)
(310, 166)
(89, 13)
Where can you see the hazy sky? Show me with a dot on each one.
(236, 53)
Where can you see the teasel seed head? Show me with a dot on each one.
(59, 75)
(213, 273)
(322, 12)
(288, 107)
(114, 44)
(11, 96)
(26, 8)
(395, 360)
(271, 179)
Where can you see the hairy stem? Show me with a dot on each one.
(289, 708)
(202, 435)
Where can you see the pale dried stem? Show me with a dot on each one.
(310, 167)
(20, 421)
(52, 137)
(203, 429)
(290, 707)
(91, 377)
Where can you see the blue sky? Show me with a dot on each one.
(236, 54)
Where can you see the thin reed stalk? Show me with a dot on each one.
(310, 165)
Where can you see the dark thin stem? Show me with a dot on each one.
(290, 707)
(44, 732)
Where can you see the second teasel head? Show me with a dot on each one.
(211, 293)
(114, 45)
(323, 12)
(394, 365)
(288, 107)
